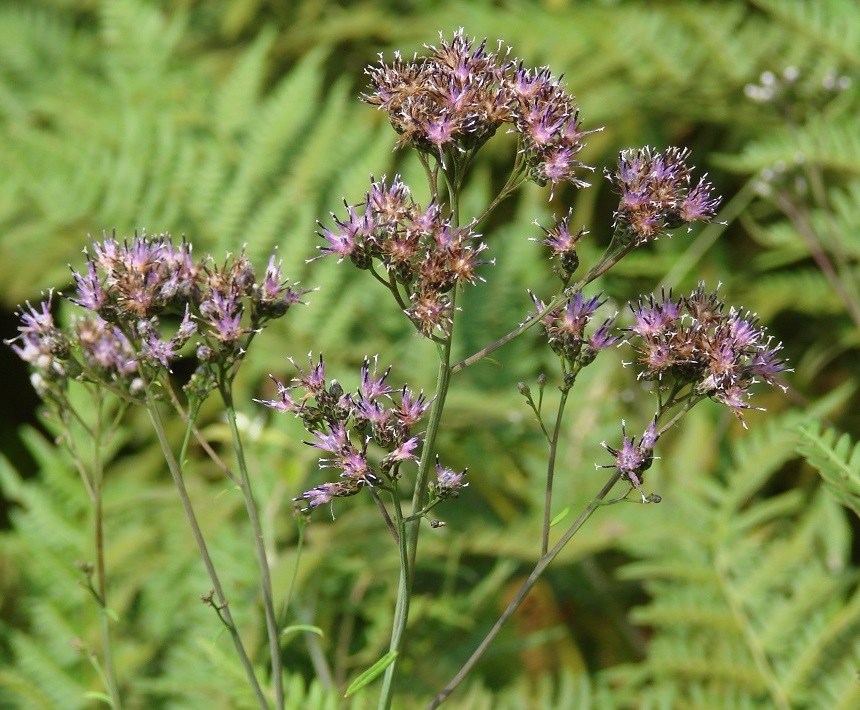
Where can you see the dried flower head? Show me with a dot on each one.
(632, 459)
(366, 435)
(694, 341)
(655, 194)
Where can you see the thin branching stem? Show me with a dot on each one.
(97, 498)
(223, 608)
(612, 255)
(259, 545)
(409, 530)
(515, 603)
(550, 468)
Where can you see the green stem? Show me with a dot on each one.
(97, 500)
(224, 609)
(610, 257)
(538, 570)
(401, 608)
(550, 467)
(259, 548)
(408, 542)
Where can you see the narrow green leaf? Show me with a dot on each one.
(368, 676)
(104, 697)
(561, 516)
(297, 628)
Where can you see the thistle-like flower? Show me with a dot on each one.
(693, 341)
(457, 97)
(144, 299)
(454, 98)
(632, 459)
(565, 329)
(563, 243)
(417, 248)
(655, 194)
(351, 428)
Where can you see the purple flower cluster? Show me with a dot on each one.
(458, 96)
(694, 341)
(349, 427)
(656, 195)
(417, 248)
(565, 330)
(129, 290)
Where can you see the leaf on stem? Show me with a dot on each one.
(368, 676)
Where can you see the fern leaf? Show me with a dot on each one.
(837, 459)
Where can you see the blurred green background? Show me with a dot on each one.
(237, 122)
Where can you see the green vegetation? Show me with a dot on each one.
(237, 123)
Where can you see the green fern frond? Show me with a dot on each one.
(824, 142)
(778, 291)
(832, 25)
(837, 459)
(762, 603)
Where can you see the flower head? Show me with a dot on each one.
(632, 459)
(655, 194)
(453, 98)
(565, 328)
(694, 341)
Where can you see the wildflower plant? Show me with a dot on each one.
(146, 301)
(142, 303)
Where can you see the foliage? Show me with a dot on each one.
(235, 121)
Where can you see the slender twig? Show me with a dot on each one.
(259, 546)
(223, 605)
(538, 570)
(610, 257)
(550, 468)
(383, 511)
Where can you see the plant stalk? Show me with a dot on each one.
(259, 548)
(224, 608)
(538, 570)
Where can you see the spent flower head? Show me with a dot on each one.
(366, 435)
(695, 341)
(655, 194)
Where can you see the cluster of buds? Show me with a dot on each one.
(655, 194)
(456, 98)
(418, 249)
(565, 330)
(351, 427)
(130, 291)
(694, 341)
